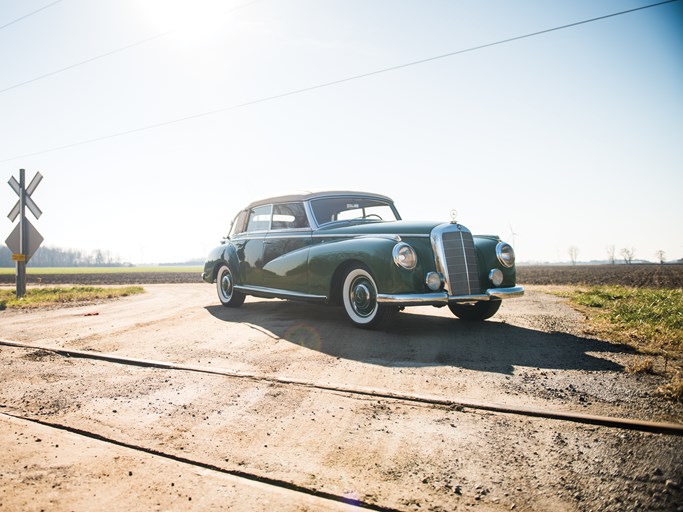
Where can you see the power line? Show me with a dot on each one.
(106, 54)
(331, 83)
(29, 14)
(101, 56)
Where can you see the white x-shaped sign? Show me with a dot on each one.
(33, 208)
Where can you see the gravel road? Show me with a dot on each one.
(273, 434)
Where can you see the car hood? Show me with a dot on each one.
(401, 227)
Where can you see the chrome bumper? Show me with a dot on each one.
(442, 298)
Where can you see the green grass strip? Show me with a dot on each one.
(37, 297)
(648, 319)
(102, 270)
(657, 312)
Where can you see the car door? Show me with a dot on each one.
(249, 246)
(285, 252)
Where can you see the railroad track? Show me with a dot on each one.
(675, 429)
(358, 392)
(281, 484)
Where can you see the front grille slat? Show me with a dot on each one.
(461, 262)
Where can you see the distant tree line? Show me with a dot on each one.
(628, 255)
(57, 257)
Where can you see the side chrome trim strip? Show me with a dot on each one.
(309, 234)
(403, 299)
(374, 235)
(413, 299)
(274, 292)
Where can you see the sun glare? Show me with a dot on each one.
(190, 21)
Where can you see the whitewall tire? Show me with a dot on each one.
(359, 297)
(225, 286)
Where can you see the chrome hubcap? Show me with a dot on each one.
(226, 285)
(363, 299)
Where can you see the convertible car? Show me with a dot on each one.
(352, 249)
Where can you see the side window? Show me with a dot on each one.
(239, 224)
(289, 216)
(259, 218)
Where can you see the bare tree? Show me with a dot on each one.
(661, 256)
(573, 254)
(610, 254)
(628, 255)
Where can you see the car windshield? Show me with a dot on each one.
(352, 209)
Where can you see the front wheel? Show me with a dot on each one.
(476, 312)
(228, 296)
(359, 296)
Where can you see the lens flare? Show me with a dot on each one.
(304, 335)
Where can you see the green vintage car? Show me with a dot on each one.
(352, 249)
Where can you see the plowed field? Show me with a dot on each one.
(657, 276)
(654, 276)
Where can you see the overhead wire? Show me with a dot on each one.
(29, 14)
(109, 53)
(334, 82)
(86, 61)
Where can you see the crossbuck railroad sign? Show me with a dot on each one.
(24, 239)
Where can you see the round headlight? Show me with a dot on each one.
(404, 256)
(506, 254)
(496, 277)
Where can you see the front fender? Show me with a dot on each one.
(327, 260)
(487, 259)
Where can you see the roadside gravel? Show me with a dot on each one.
(388, 454)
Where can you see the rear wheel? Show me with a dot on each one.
(227, 294)
(476, 312)
(359, 297)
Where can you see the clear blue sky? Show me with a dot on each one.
(572, 138)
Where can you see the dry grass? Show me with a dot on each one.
(673, 389)
(40, 297)
(647, 319)
(641, 365)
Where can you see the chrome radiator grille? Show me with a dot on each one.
(461, 262)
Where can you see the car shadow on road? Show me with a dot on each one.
(418, 340)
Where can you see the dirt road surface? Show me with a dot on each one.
(305, 412)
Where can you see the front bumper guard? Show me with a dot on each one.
(442, 298)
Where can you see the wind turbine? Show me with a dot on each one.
(514, 235)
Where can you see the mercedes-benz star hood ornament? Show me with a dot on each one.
(454, 216)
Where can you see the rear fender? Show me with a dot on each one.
(225, 253)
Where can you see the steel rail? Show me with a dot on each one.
(605, 421)
(282, 484)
